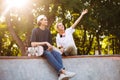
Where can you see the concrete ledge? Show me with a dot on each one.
(37, 68)
(78, 56)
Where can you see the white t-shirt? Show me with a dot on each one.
(67, 39)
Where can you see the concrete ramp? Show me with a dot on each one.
(37, 68)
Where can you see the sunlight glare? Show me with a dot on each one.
(2, 19)
(16, 3)
(13, 4)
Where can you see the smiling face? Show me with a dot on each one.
(60, 27)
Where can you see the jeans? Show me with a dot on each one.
(55, 59)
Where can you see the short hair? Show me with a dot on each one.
(56, 26)
(39, 18)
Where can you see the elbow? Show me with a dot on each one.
(33, 44)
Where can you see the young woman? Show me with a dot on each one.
(64, 38)
(42, 36)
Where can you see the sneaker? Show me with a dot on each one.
(63, 77)
(70, 74)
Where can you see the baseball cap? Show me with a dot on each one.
(40, 17)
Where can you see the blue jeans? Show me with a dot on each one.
(55, 59)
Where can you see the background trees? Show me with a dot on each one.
(97, 31)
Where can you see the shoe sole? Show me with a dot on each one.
(66, 78)
(72, 76)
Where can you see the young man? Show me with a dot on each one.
(42, 36)
(64, 38)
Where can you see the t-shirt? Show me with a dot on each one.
(39, 35)
(66, 39)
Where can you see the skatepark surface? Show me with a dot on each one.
(37, 68)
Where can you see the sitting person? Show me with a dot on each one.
(41, 36)
(64, 38)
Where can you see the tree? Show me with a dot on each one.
(101, 20)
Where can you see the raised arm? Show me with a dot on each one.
(80, 17)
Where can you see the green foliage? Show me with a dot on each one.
(101, 20)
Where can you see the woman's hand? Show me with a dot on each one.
(84, 12)
(80, 17)
(62, 50)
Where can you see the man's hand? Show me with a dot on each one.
(50, 47)
(84, 12)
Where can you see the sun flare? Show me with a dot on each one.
(16, 3)
(12, 4)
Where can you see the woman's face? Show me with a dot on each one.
(60, 26)
(44, 21)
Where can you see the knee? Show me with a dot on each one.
(71, 46)
(56, 52)
(47, 53)
(74, 52)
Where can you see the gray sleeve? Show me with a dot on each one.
(33, 36)
(50, 38)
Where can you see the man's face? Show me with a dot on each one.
(60, 26)
(44, 21)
